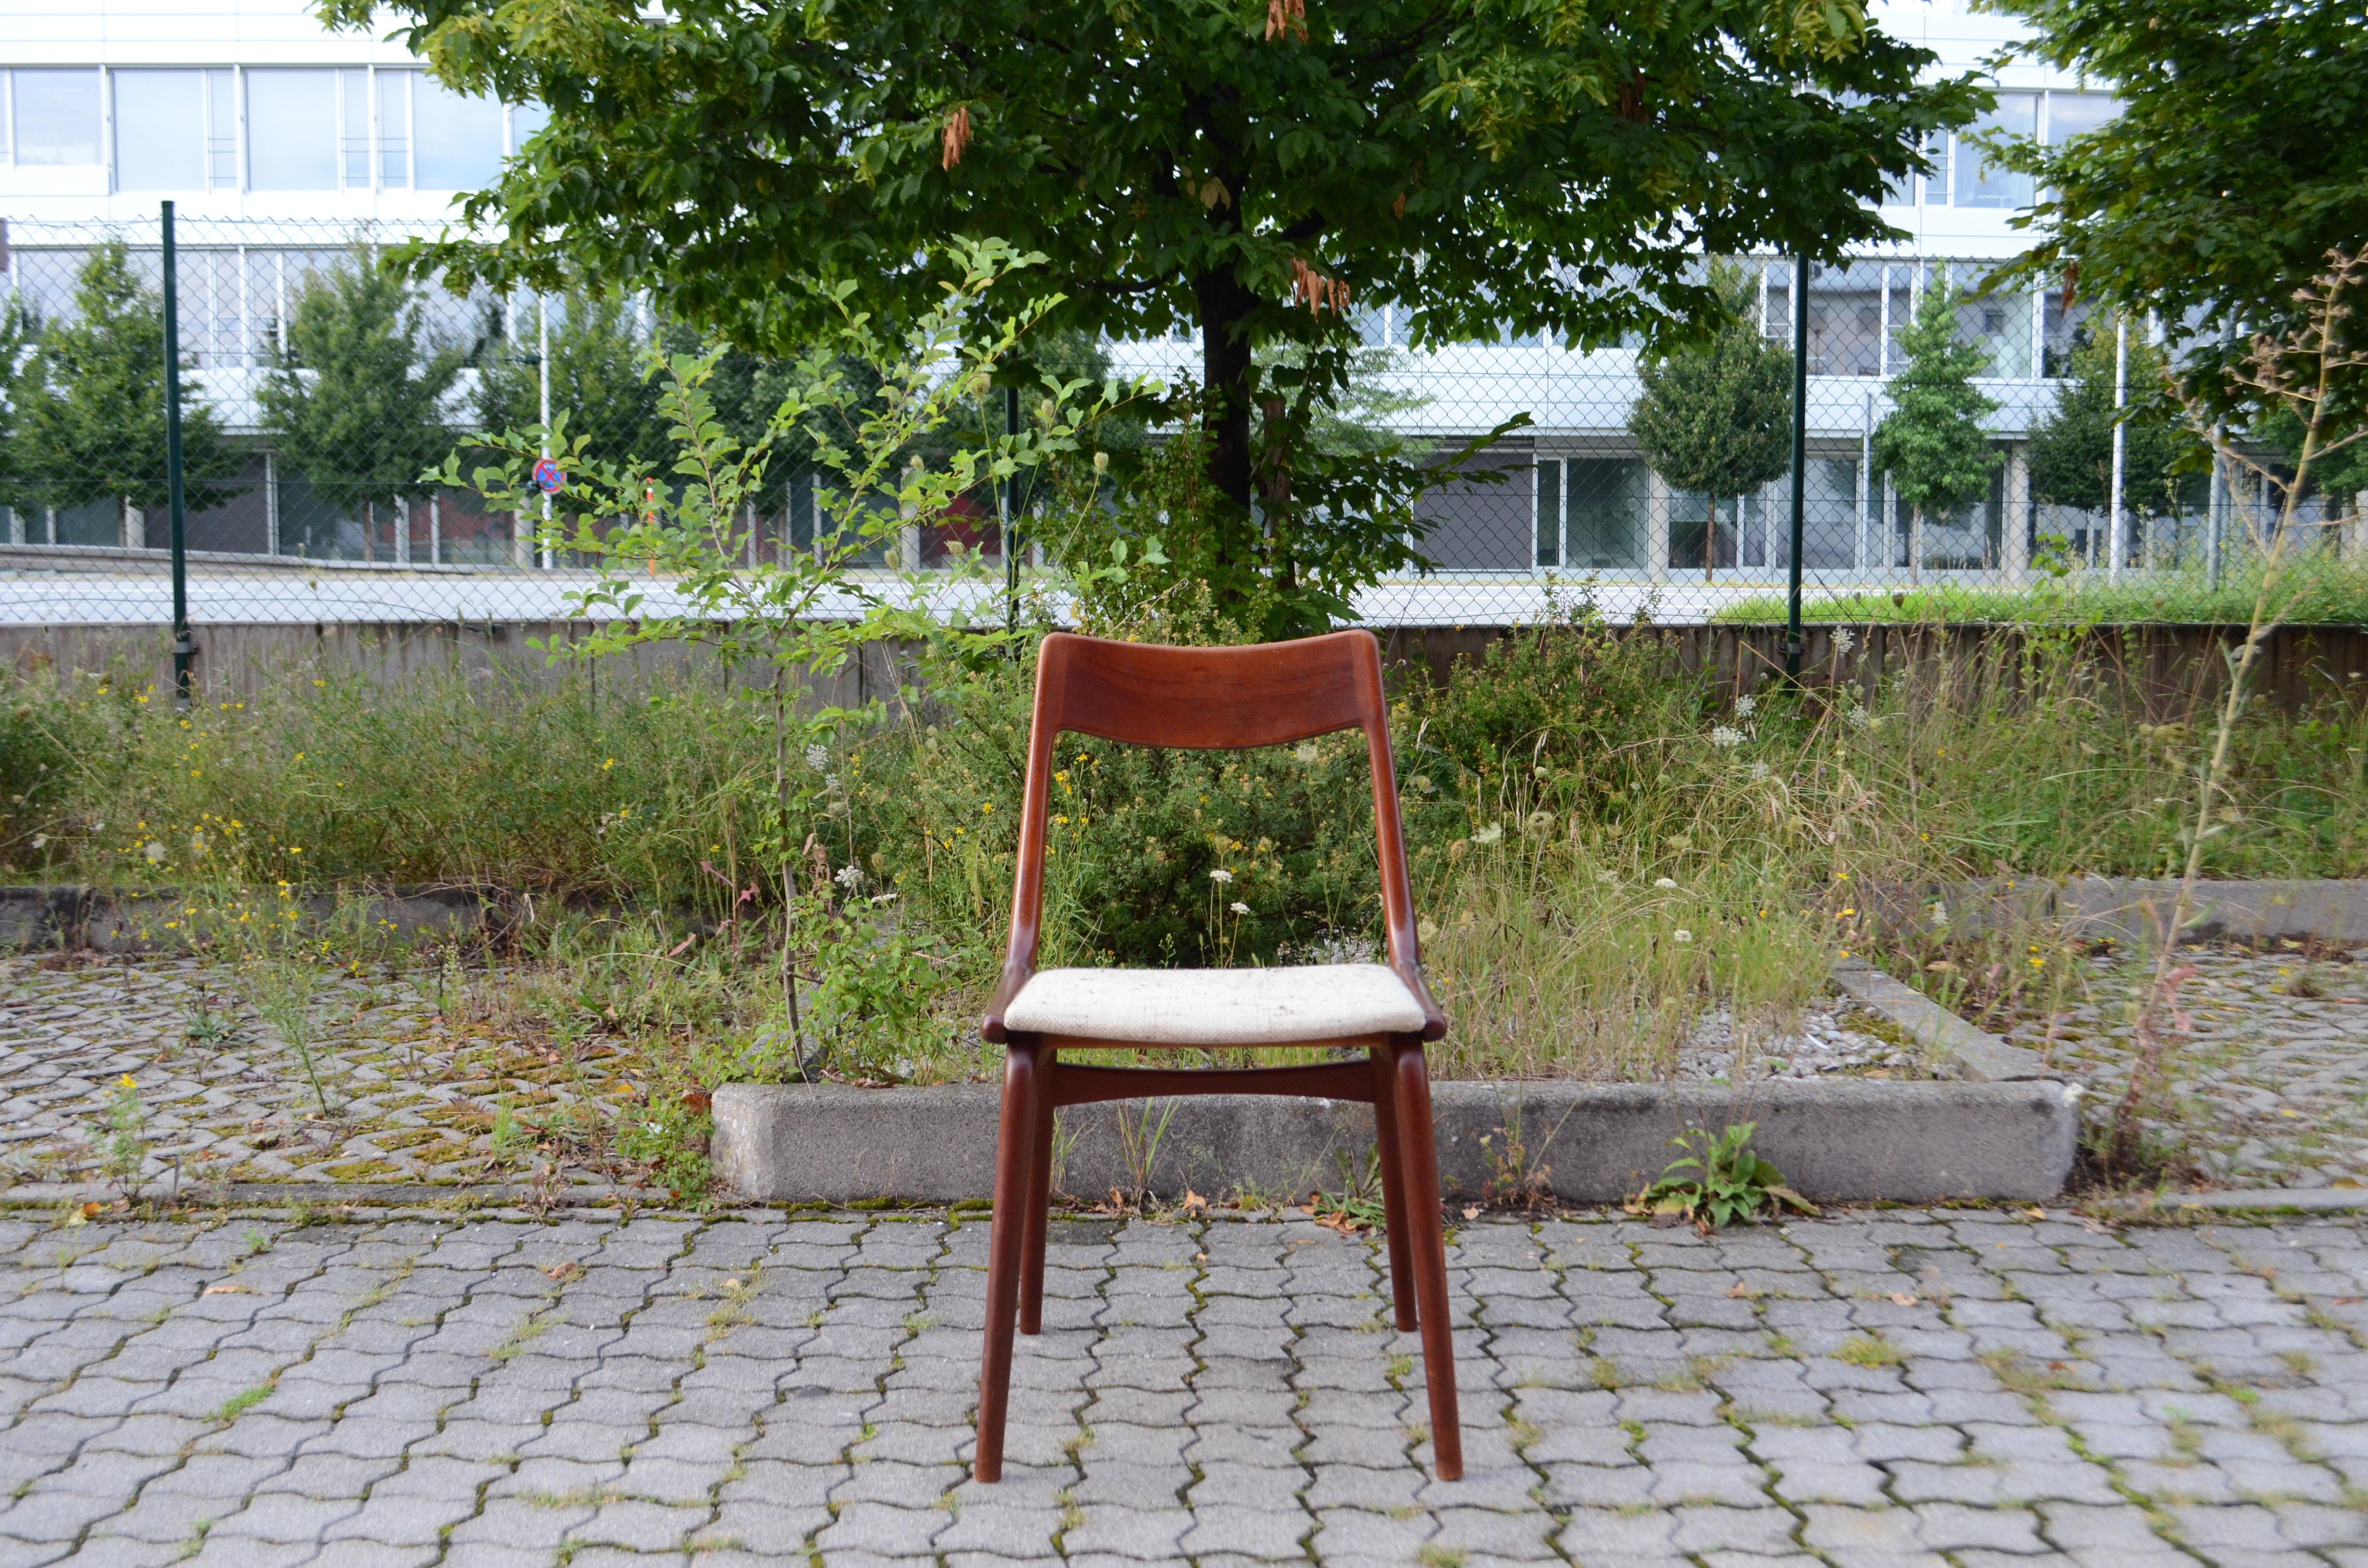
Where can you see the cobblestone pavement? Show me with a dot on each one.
(1975, 1388)
(2270, 1084)
(408, 1088)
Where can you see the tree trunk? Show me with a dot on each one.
(370, 530)
(1710, 539)
(1916, 546)
(1224, 308)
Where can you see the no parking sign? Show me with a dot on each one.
(548, 478)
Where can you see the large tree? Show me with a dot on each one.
(2238, 160)
(1245, 167)
(358, 400)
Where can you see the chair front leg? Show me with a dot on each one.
(1419, 1146)
(1040, 1196)
(1393, 1199)
(1006, 1250)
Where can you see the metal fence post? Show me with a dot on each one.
(1011, 520)
(1800, 465)
(2116, 520)
(183, 645)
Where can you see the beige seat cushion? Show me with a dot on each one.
(1216, 1006)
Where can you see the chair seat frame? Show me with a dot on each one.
(1212, 698)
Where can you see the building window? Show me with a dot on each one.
(354, 129)
(1980, 183)
(1590, 514)
(221, 130)
(394, 128)
(55, 117)
(292, 128)
(459, 140)
(2076, 114)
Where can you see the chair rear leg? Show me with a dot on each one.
(1419, 1150)
(1039, 1197)
(1394, 1200)
(1006, 1250)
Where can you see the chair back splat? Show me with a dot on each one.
(1213, 699)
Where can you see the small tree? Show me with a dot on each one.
(1717, 418)
(2072, 448)
(356, 401)
(91, 410)
(1932, 442)
(598, 350)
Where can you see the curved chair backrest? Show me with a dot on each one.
(1210, 700)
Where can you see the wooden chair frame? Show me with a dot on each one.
(1213, 699)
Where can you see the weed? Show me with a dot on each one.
(242, 1401)
(1434, 1555)
(1721, 1182)
(1869, 1351)
(122, 1144)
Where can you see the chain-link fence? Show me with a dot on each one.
(316, 392)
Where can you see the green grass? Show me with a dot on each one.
(2324, 591)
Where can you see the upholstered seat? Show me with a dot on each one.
(1216, 1006)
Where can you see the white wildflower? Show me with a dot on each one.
(1682, 935)
(849, 877)
(817, 757)
(1665, 881)
(1610, 877)
(1727, 737)
(830, 781)
(156, 852)
(657, 1128)
(1844, 641)
(1221, 876)
(1759, 770)
(1238, 907)
(1421, 781)
(41, 840)
(1859, 719)
(1492, 833)
(883, 898)
(1305, 751)
(1538, 823)
(1745, 707)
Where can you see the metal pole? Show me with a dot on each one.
(183, 645)
(1800, 464)
(542, 374)
(2114, 523)
(1010, 520)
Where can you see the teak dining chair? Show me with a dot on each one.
(1213, 699)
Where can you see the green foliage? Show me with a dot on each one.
(1246, 170)
(1720, 1182)
(356, 401)
(672, 1141)
(1717, 418)
(597, 357)
(122, 1144)
(2240, 160)
(2163, 462)
(2340, 475)
(1931, 443)
(91, 402)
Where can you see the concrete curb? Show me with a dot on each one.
(216, 1195)
(1959, 1050)
(2270, 1199)
(1581, 1142)
(2125, 908)
(70, 916)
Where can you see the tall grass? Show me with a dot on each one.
(1572, 801)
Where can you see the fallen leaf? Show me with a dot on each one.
(227, 1287)
(2034, 1213)
(570, 1269)
(1901, 1299)
(1738, 1292)
(1200, 1257)
(1193, 1202)
(697, 1101)
(1472, 1211)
